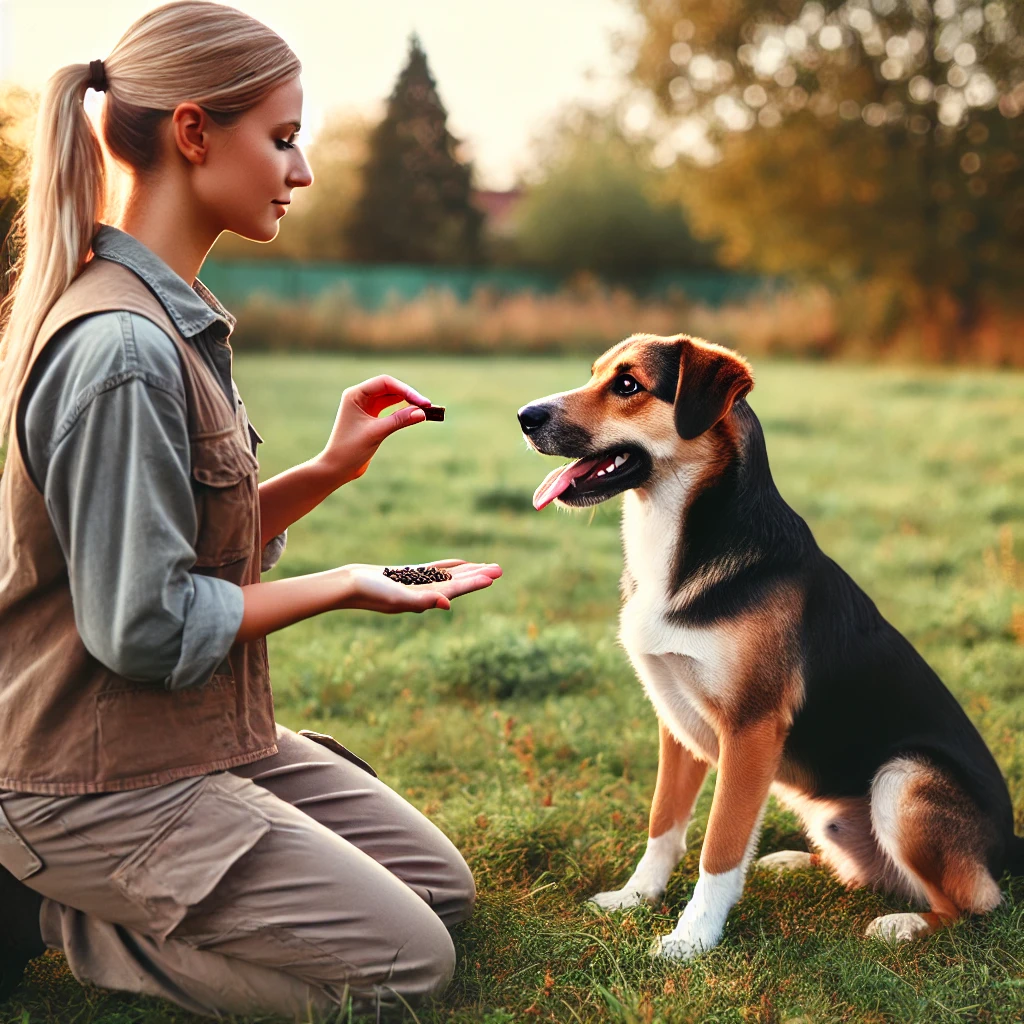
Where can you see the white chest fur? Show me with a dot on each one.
(683, 668)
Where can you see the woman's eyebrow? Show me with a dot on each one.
(295, 125)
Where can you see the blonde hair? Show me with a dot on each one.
(216, 56)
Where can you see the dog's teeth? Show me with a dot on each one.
(600, 472)
(619, 460)
(610, 468)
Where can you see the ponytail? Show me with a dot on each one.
(214, 55)
(56, 224)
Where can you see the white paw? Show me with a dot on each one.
(620, 899)
(683, 943)
(786, 860)
(898, 927)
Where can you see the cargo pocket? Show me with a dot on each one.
(15, 854)
(184, 861)
(332, 744)
(224, 474)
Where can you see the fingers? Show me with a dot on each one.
(384, 390)
(459, 585)
(491, 569)
(403, 418)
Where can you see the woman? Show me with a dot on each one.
(155, 823)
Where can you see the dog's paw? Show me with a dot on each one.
(787, 860)
(898, 927)
(619, 899)
(678, 947)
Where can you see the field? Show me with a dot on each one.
(516, 723)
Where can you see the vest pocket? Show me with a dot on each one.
(224, 474)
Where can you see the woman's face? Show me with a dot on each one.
(245, 181)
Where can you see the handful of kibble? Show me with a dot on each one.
(423, 574)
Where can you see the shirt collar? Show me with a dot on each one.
(193, 308)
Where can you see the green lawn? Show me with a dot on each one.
(516, 723)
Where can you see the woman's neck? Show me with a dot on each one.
(166, 222)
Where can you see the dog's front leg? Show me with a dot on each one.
(680, 776)
(747, 763)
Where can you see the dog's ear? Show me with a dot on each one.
(711, 379)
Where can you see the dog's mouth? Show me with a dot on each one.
(591, 480)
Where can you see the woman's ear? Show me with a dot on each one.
(190, 126)
(711, 379)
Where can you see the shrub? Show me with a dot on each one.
(501, 660)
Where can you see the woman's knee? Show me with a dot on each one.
(425, 964)
(462, 893)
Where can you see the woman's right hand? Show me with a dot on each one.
(366, 586)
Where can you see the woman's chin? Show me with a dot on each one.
(261, 232)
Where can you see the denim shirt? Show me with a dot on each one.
(105, 438)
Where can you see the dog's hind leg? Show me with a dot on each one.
(937, 839)
(680, 777)
(839, 829)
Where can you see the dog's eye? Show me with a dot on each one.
(625, 385)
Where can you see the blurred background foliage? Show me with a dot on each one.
(858, 143)
(597, 204)
(865, 156)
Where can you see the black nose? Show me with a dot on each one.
(533, 417)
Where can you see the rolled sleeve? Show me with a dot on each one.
(273, 550)
(210, 623)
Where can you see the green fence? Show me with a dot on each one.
(373, 286)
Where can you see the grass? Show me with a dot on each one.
(516, 723)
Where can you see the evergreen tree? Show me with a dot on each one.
(415, 203)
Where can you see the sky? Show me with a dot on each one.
(504, 68)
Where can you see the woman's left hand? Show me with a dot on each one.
(359, 428)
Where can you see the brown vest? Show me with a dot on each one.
(68, 724)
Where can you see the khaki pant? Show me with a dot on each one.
(284, 886)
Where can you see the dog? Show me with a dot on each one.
(764, 659)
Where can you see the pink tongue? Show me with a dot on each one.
(558, 480)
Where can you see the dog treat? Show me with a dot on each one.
(423, 574)
(434, 412)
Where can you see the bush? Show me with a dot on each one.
(501, 660)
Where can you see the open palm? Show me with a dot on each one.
(373, 591)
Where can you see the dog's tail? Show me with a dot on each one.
(1015, 855)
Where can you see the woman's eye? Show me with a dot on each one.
(284, 144)
(625, 385)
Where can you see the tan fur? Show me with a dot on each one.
(747, 766)
(680, 777)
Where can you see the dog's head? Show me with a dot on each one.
(649, 405)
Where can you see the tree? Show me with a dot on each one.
(314, 228)
(415, 202)
(853, 140)
(597, 206)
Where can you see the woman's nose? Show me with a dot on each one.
(299, 174)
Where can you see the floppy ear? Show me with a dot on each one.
(711, 379)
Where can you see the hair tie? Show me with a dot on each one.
(97, 76)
